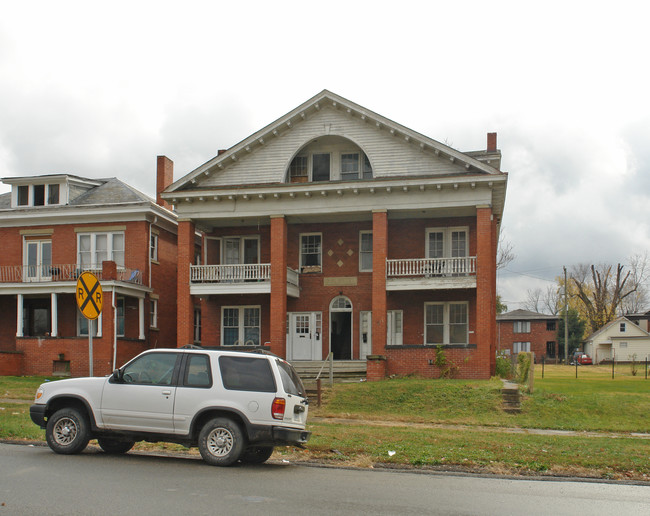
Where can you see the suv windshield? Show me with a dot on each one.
(290, 379)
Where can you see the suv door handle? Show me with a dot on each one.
(166, 393)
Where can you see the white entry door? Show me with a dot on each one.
(304, 337)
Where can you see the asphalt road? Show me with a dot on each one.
(34, 480)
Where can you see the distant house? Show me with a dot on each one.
(53, 228)
(521, 330)
(622, 340)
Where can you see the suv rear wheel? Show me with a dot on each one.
(67, 431)
(257, 454)
(221, 442)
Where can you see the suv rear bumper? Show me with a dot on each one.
(290, 435)
(276, 435)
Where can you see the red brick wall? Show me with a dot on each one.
(8, 323)
(164, 284)
(538, 337)
(11, 363)
(185, 307)
(406, 239)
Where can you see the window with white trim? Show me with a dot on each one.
(311, 252)
(519, 347)
(394, 327)
(153, 247)
(37, 195)
(240, 326)
(450, 242)
(153, 313)
(365, 251)
(83, 324)
(446, 323)
(521, 327)
(622, 327)
(95, 248)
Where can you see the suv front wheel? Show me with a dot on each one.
(221, 442)
(67, 431)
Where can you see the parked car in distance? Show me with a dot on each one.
(581, 359)
(233, 406)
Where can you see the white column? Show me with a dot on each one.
(141, 317)
(99, 324)
(19, 318)
(54, 312)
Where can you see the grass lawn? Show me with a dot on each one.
(592, 402)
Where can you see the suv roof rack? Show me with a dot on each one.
(191, 346)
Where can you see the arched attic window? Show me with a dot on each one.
(329, 158)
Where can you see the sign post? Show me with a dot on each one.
(90, 301)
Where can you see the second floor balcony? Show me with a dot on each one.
(250, 278)
(431, 273)
(61, 273)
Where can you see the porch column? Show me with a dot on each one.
(54, 313)
(100, 325)
(184, 305)
(485, 290)
(379, 301)
(141, 317)
(19, 317)
(278, 285)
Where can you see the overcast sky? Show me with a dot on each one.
(99, 89)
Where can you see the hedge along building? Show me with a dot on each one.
(336, 229)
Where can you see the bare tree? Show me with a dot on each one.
(639, 274)
(601, 291)
(543, 301)
(505, 253)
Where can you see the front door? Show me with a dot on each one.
(304, 337)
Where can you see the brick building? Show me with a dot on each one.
(336, 229)
(54, 227)
(521, 330)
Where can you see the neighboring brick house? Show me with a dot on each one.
(521, 330)
(334, 228)
(52, 228)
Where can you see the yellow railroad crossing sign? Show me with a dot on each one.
(89, 295)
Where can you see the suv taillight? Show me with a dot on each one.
(277, 409)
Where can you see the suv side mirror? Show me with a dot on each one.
(118, 375)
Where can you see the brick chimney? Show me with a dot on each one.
(164, 178)
(491, 142)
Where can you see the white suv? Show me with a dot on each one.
(232, 405)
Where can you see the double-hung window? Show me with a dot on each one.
(446, 323)
(153, 247)
(365, 251)
(240, 326)
(153, 314)
(521, 327)
(95, 248)
(310, 252)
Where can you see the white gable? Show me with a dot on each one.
(389, 155)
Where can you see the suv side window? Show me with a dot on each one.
(151, 369)
(290, 379)
(197, 371)
(246, 374)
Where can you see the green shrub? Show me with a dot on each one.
(523, 366)
(503, 369)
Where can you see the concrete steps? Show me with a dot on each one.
(344, 371)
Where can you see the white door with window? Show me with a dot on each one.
(304, 341)
(38, 260)
(365, 337)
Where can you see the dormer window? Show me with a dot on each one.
(38, 195)
(329, 158)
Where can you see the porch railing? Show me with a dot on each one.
(431, 267)
(239, 273)
(65, 272)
